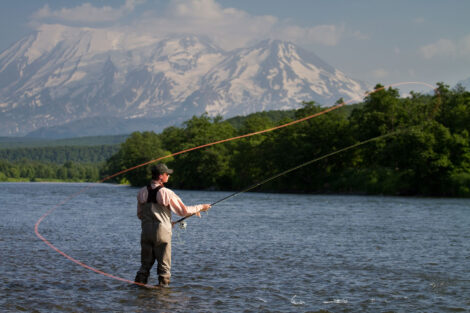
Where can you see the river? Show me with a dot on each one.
(256, 252)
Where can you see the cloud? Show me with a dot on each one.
(228, 27)
(233, 28)
(86, 13)
(442, 47)
(447, 48)
(327, 35)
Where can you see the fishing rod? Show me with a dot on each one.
(49, 212)
(181, 220)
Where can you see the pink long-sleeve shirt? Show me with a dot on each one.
(167, 198)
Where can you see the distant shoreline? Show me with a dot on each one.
(359, 194)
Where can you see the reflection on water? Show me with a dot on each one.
(256, 252)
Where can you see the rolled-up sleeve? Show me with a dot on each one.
(168, 198)
(141, 199)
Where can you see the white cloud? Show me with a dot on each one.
(442, 47)
(86, 13)
(327, 35)
(202, 9)
(447, 48)
(229, 27)
(233, 28)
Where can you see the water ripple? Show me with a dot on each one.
(256, 253)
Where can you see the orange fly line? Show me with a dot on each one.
(49, 212)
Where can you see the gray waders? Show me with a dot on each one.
(155, 240)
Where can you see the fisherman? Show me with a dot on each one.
(154, 206)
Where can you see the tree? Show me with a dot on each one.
(248, 157)
(207, 167)
(139, 148)
(426, 150)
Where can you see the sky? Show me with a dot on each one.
(377, 41)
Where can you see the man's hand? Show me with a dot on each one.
(205, 208)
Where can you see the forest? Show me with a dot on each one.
(420, 146)
(425, 149)
(55, 163)
(61, 154)
(27, 170)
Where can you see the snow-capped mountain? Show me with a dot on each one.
(61, 75)
(273, 75)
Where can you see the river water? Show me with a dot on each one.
(256, 252)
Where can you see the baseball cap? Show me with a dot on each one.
(161, 169)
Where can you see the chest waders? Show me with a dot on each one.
(155, 240)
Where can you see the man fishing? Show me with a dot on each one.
(154, 206)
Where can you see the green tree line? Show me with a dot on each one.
(62, 163)
(30, 142)
(40, 171)
(427, 154)
(62, 154)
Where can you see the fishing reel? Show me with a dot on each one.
(182, 224)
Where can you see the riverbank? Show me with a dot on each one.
(126, 183)
(41, 180)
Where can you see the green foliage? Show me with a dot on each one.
(459, 184)
(36, 171)
(428, 153)
(249, 159)
(139, 148)
(274, 116)
(207, 167)
(26, 142)
(61, 154)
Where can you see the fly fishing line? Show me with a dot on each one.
(183, 225)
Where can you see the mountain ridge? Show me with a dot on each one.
(63, 75)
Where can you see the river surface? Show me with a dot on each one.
(256, 252)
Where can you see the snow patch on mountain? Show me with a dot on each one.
(63, 74)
